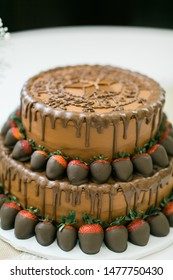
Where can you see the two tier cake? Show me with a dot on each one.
(87, 139)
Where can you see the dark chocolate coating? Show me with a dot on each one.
(19, 154)
(5, 128)
(116, 239)
(77, 175)
(159, 225)
(168, 145)
(24, 227)
(67, 238)
(90, 243)
(171, 132)
(143, 165)
(140, 235)
(123, 170)
(160, 157)
(8, 217)
(2, 196)
(100, 172)
(38, 162)
(10, 140)
(54, 170)
(170, 219)
(45, 233)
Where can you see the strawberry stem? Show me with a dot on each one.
(100, 157)
(152, 211)
(133, 215)
(11, 199)
(89, 220)
(70, 219)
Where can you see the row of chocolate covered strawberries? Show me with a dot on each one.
(57, 165)
(135, 228)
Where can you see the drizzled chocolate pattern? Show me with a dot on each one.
(91, 98)
(54, 198)
(91, 88)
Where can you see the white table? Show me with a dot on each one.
(149, 51)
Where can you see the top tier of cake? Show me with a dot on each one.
(90, 110)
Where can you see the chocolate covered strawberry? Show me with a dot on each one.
(168, 124)
(77, 172)
(2, 197)
(22, 150)
(25, 223)
(56, 166)
(12, 121)
(122, 167)
(13, 136)
(39, 159)
(100, 169)
(159, 225)
(9, 210)
(90, 235)
(142, 162)
(159, 155)
(167, 209)
(45, 232)
(67, 233)
(138, 229)
(167, 141)
(116, 235)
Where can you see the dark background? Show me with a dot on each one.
(21, 15)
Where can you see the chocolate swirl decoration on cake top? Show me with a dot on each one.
(100, 89)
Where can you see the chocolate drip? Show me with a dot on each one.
(128, 192)
(25, 194)
(126, 121)
(19, 183)
(112, 194)
(9, 180)
(138, 126)
(43, 200)
(99, 204)
(114, 146)
(87, 133)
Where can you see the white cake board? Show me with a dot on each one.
(53, 252)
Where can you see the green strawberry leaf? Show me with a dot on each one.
(70, 219)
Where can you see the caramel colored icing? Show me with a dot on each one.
(105, 201)
(89, 110)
